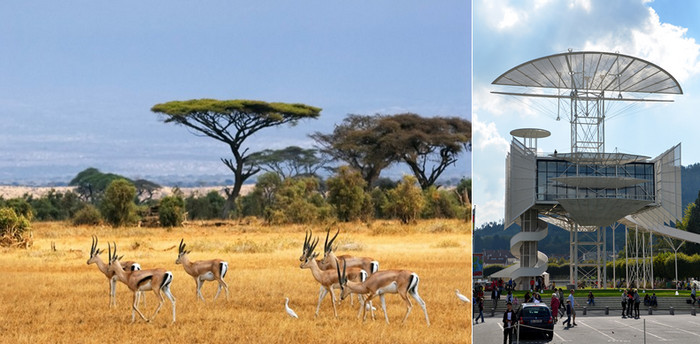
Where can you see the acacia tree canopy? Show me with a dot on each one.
(428, 145)
(232, 122)
(288, 162)
(358, 142)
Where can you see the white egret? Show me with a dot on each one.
(289, 310)
(461, 297)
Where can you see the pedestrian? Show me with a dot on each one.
(532, 284)
(572, 302)
(654, 301)
(494, 297)
(591, 299)
(623, 302)
(537, 284)
(630, 303)
(527, 298)
(567, 322)
(692, 295)
(637, 300)
(480, 305)
(562, 304)
(554, 304)
(510, 284)
(508, 323)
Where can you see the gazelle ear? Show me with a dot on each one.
(99, 251)
(313, 256)
(188, 252)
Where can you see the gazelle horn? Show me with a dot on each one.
(328, 246)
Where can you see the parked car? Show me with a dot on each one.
(535, 318)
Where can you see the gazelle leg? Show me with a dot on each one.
(422, 305)
(386, 316)
(199, 289)
(142, 297)
(361, 301)
(321, 294)
(222, 284)
(160, 304)
(170, 296)
(335, 312)
(135, 309)
(112, 292)
(408, 308)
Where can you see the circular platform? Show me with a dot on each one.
(530, 133)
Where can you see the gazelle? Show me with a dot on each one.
(158, 280)
(203, 270)
(329, 258)
(400, 282)
(95, 259)
(327, 278)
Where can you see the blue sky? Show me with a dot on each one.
(77, 79)
(508, 33)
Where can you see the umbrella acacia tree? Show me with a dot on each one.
(428, 145)
(232, 122)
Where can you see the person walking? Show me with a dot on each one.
(567, 322)
(508, 324)
(532, 284)
(637, 300)
(623, 302)
(480, 305)
(562, 304)
(554, 304)
(572, 302)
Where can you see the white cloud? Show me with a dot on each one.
(491, 210)
(501, 16)
(486, 135)
(663, 44)
(584, 4)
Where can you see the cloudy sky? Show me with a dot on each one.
(508, 33)
(77, 79)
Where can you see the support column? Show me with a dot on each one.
(627, 259)
(605, 259)
(651, 254)
(597, 257)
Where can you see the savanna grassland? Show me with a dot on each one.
(53, 296)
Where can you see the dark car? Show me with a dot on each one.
(535, 318)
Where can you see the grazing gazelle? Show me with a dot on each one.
(400, 282)
(327, 278)
(95, 259)
(329, 258)
(203, 270)
(158, 280)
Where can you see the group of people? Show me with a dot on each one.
(630, 303)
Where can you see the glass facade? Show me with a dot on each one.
(550, 190)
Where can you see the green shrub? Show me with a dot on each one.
(346, 193)
(117, 206)
(13, 228)
(406, 200)
(171, 212)
(88, 215)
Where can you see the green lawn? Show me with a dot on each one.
(600, 293)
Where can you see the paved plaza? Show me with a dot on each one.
(605, 329)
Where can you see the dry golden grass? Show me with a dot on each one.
(54, 297)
